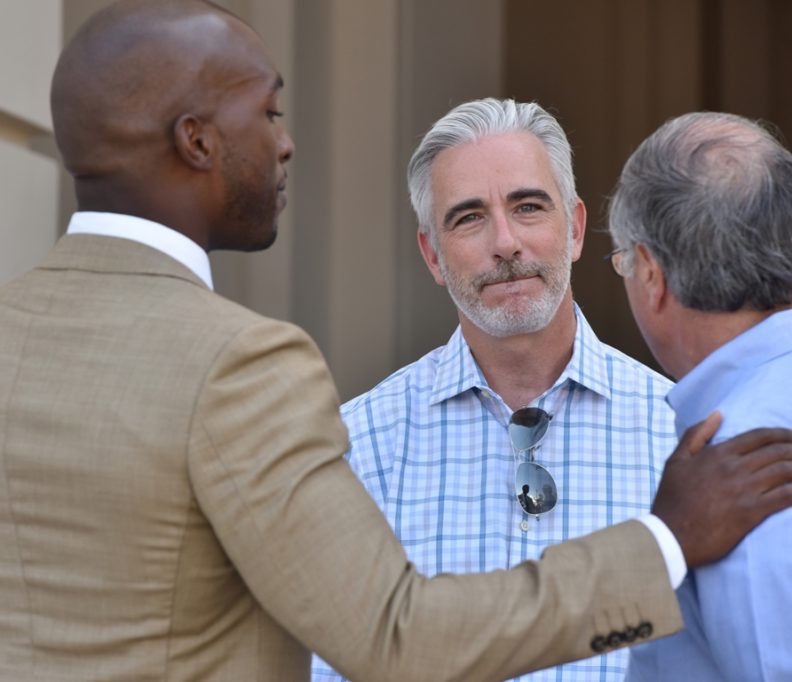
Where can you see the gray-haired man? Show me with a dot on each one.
(443, 445)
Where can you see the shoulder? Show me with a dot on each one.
(408, 387)
(758, 399)
(637, 402)
(633, 377)
(223, 326)
(381, 421)
(228, 345)
(611, 372)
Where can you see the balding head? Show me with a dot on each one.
(130, 71)
(137, 99)
(710, 195)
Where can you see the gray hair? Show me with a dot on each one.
(710, 195)
(473, 120)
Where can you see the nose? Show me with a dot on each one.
(505, 240)
(285, 146)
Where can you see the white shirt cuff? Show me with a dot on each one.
(669, 548)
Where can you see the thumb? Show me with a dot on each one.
(697, 436)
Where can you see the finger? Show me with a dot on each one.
(698, 435)
(772, 476)
(777, 499)
(768, 456)
(749, 441)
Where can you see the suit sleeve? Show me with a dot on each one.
(266, 462)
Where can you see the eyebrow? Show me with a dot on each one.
(465, 205)
(278, 84)
(511, 197)
(530, 193)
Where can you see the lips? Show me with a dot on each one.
(506, 281)
(512, 279)
(282, 196)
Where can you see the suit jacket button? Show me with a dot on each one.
(645, 630)
(615, 638)
(599, 644)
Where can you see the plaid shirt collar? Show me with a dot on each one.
(457, 370)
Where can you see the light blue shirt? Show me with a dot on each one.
(738, 612)
(430, 444)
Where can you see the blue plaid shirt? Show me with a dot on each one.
(430, 443)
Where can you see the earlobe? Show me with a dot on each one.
(430, 256)
(194, 141)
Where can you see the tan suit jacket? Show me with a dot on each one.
(174, 505)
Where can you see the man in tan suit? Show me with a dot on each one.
(174, 504)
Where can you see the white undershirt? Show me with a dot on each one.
(159, 237)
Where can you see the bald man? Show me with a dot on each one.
(174, 503)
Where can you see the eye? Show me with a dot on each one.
(528, 208)
(466, 218)
(273, 114)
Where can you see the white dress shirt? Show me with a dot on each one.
(170, 242)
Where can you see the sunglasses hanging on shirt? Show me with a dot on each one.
(534, 486)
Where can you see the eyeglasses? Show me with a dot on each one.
(534, 486)
(615, 258)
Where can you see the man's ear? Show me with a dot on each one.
(578, 219)
(430, 256)
(651, 277)
(195, 141)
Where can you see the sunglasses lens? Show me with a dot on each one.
(527, 427)
(535, 488)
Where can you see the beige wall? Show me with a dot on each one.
(30, 35)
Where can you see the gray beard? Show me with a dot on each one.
(518, 317)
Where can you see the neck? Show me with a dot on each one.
(522, 367)
(701, 333)
(161, 202)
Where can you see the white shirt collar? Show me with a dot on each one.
(164, 239)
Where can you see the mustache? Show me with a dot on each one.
(510, 270)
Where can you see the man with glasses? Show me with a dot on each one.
(524, 430)
(702, 222)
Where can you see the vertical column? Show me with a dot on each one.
(31, 37)
(344, 263)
